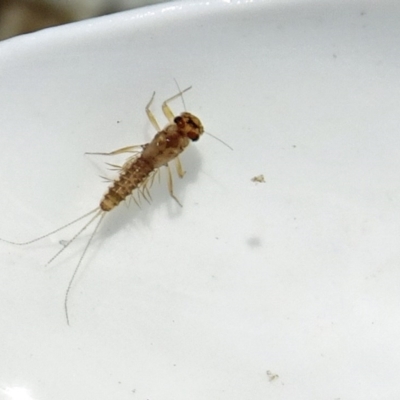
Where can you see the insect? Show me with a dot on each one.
(137, 173)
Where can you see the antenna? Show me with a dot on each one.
(184, 107)
(181, 93)
(219, 140)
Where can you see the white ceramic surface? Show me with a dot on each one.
(298, 276)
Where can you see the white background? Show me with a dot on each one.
(298, 276)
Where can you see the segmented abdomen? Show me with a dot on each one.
(129, 180)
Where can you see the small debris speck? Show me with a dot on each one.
(272, 376)
(258, 179)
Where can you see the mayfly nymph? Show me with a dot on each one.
(137, 173)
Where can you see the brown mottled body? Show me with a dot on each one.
(165, 146)
(137, 171)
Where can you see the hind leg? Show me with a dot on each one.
(179, 168)
(127, 149)
(171, 185)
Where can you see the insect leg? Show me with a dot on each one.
(144, 191)
(179, 167)
(171, 185)
(151, 115)
(166, 110)
(127, 149)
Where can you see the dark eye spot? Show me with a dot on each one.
(193, 136)
(179, 121)
(192, 124)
